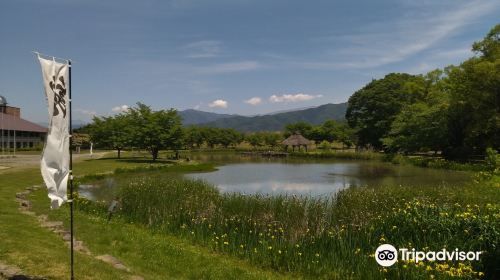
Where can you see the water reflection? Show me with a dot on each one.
(251, 175)
(320, 178)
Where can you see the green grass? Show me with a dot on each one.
(169, 227)
(322, 238)
(42, 253)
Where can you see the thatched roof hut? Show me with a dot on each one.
(296, 140)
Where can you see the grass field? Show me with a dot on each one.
(169, 227)
(39, 252)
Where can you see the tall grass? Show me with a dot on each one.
(328, 237)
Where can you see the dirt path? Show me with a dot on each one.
(28, 161)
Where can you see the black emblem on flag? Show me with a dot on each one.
(59, 89)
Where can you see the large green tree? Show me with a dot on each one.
(111, 132)
(423, 125)
(372, 109)
(155, 130)
(474, 87)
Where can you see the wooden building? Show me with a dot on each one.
(15, 132)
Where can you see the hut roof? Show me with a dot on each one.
(296, 140)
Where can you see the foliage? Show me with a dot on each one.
(80, 139)
(196, 136)
(272, 139)
(325, 237)
(139, 127)
(372, 109)
(492, 160)
(155, 130)
(301, 127)
(329, 131)
(325, 145)
(255, 139)
(474, 101)
(455, 111)
(110, 132)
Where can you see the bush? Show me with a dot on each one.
(492, 159)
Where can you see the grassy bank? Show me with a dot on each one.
(415, 160)
(42, 253)
(323, 238)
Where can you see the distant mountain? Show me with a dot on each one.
(277, 121)
(75, 123)
(191, 116)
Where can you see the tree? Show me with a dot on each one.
(474, 118)
(193, 136)
(489, 47)
(79, 139)
(155, 130)
(272, 139)
(255, 139)
(346, 135)
(372, 109)
(211, 136)
(111, 132)
(229, 137)
(301, 127)
(418, 127)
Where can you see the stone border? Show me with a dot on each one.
(58, 228)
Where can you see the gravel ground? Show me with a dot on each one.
(24, 161)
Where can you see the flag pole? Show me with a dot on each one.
(71, 173)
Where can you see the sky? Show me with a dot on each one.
(227, 56)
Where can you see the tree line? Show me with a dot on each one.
(141, 127)
(454, 110)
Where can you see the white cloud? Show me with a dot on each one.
(419, 31)
(230, 67)
(204, 49)
(86, 112)
(120, 109)
(219, 103)
(293, 97)
(254, 101)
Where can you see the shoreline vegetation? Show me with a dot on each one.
(325, 238)
(425, 161)
(265, 237)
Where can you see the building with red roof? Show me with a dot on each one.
(17, 133)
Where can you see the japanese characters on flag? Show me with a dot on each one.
(55, 156)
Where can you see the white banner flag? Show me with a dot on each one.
(55, 156)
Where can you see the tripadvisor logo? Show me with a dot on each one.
(387, 255)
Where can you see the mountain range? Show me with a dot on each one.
(269, 122)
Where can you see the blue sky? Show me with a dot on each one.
(228, 56)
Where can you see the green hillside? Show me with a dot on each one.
(274, 122)
(191, 116)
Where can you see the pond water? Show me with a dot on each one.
(314, 177)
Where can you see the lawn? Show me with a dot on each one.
(39, 252)
(169, 227)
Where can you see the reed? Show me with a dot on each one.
(326, 237)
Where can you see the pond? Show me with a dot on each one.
(315, 177)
